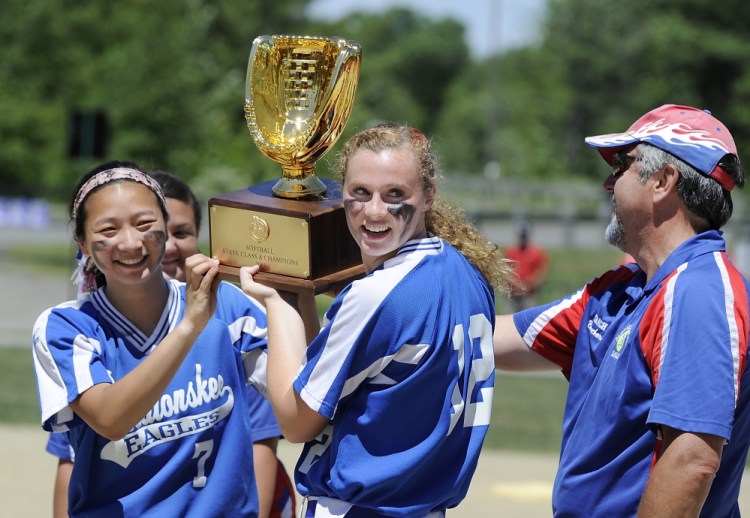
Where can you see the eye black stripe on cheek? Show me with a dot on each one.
(402, 210)
(352, 205)
(101, 245)
(156, 235)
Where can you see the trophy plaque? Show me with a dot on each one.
(299, 94)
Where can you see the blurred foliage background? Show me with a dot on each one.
(168, 79)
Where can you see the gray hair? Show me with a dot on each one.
(703, 197)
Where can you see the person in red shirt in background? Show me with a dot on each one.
(531, 264)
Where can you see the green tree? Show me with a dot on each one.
(599, 65)
(408, 63)
(169, 77)
(623, 59)
(505, 110)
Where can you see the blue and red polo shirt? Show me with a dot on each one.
(668, 351)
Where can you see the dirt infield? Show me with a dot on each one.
(506, 484)
(509, 484)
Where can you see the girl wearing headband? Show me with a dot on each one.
(146, 374)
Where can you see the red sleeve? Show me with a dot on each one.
(553, 329)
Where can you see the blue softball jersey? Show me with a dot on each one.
(404, 369)
(191, 454)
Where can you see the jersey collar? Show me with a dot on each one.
(700, 244)
(128, 330)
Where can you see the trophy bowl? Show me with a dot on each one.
(299, 94)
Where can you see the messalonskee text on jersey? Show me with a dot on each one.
(155, 429)
(597, 326)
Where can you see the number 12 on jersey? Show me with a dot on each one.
(480, 370)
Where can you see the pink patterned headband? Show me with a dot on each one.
(110, 175)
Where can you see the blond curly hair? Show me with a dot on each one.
(443, 220)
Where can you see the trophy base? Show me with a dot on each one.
(329, 284)
(301, 245)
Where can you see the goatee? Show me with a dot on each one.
(615, 233)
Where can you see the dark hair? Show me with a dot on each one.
(176, 188)
(80, 219)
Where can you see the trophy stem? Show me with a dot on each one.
(299, 182)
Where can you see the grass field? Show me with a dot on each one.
(571, 269)
(18, 400)
(527, 410)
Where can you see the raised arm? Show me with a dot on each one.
(512, 353)
(112, 409)
(304, 304)
(287, 342)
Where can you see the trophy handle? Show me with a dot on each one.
(339, 97)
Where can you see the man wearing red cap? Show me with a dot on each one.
(657, 420)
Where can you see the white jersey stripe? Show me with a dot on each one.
(408, 353)
(121, 325)
(347, 326)
(83, 349)
(50, 382)
(668, 301)
(546, 316)
(134, 335)
(246, 325)
(355, 313)
(734, 335)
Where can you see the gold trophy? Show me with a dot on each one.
(299, 95)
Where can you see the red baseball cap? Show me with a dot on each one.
(692, 135)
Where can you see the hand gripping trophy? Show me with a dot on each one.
(299, 95)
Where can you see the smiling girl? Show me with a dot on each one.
(147, 374)
(393, 397)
